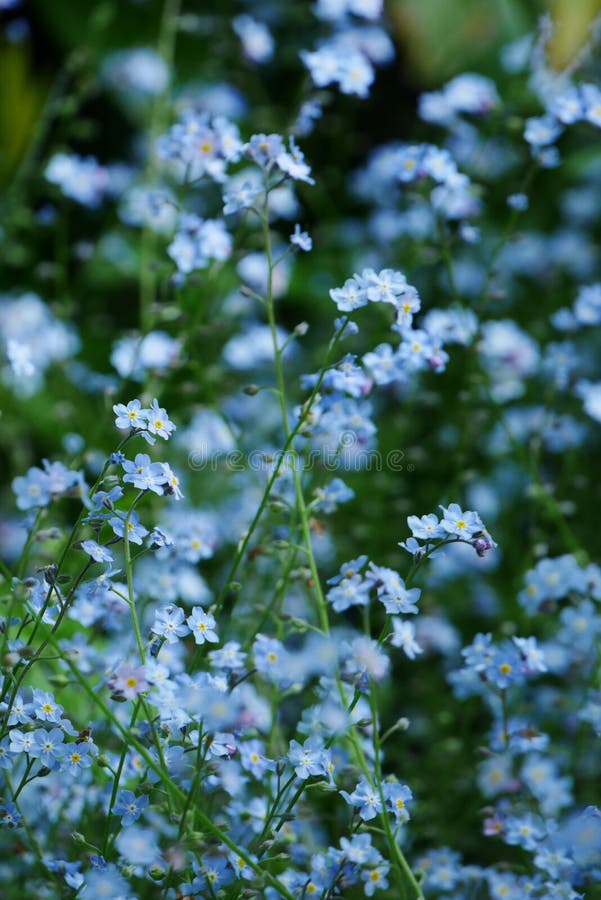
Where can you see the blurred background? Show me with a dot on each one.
(43, 42)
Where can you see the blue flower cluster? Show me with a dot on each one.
(201, 659)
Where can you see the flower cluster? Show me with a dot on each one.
(145, 421)
(202, 640)
(454, 525)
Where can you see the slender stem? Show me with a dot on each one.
(22, 564)
(194, 785)
(116, 780)
(131, 597)
(279, 371)
(401, 864)
(33, 842)
(402, 869)
(447, 256)
(157, 744)
(506, 233)
(166, 50)
(243, 545)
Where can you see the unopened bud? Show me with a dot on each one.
(49, 534)
(156, 872)
(50, 573)
(10, 660)
(364, 723)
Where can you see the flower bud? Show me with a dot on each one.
(156, 872)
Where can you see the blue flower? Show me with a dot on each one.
(349, 590)
(171, 482)
(264, 149)
(230, 657)
(375, 879)
(270, 657)
(397, 796)
(48, 746)
(524, 831)
(76, 758)
(44, 706)
(215, 872)
(169, 623)
(33, 489)
(292, 163)
(10, 816)
(143, 474)
(6, 761)
(22, 741)
(426, 528)
(197, 242)
(239, 197)
(309, 758)
(403, 636)
(158, 421)
(385, 365)
(540, 131)
(253, 759)
(505, 666)
(131, 415)
(457, 522)
(97, 552)
(135, 531)
(328, 497)
(301, 239)
(80, 178)
(365, 798)
(392, 592)
(202, 625)
(385, 286)
(352, 295)
(129, 807)
(201, 146)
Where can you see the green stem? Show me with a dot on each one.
(243, 545)
(447, 257)
(33, 842)
(401, 866)
(131, 598)
(22, 564)
(157, 744)
(506, 233)
(281, 385)
(116, 780)
(166, 50)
